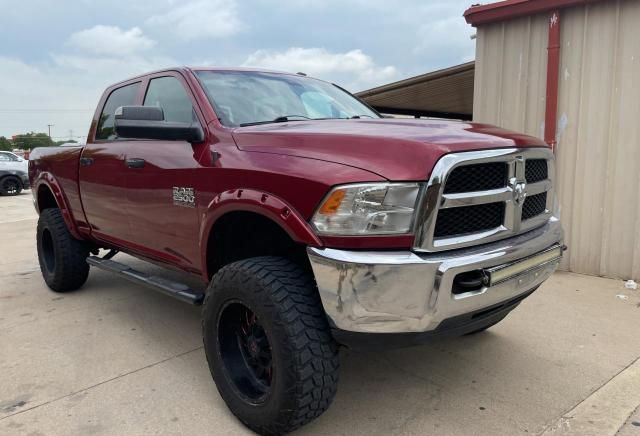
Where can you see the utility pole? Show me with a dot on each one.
(50, 126)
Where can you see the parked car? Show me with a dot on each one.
(314, 222)
(11, 161)
(12, 182)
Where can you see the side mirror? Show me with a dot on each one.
(147, 122)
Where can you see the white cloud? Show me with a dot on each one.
(41, 95)
(60, 79)
(354, 69)
(110, 40)
(450, 35)
(64, 91)
(200, 19)
(64, 88)
(112, 69)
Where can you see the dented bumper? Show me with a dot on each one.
(407, 292)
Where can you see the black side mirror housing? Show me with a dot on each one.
(147, 122)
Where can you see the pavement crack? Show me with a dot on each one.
(566, 417)
(151, 365)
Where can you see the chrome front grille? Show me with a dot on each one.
(536, 170)
(534, 206)
(482, 196)
(469, 219)
(479, 177)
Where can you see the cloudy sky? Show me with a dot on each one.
(56, 57)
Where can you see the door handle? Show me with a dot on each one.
(86, 161)
(135, 163)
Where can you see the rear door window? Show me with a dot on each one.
(125, 96)
(169, 94)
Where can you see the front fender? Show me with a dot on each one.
(263, 203)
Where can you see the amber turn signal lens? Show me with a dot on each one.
(331, 204)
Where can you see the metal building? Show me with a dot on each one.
(446, 93)
(569, 71)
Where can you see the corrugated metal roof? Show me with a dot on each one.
(443, 93)
(510, 9)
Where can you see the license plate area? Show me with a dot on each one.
(509, 271)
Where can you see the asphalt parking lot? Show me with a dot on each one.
(116, 358)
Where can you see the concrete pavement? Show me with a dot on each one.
(116, 358)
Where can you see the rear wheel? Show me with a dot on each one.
(10, 185)
(268, 344)
(62, 258)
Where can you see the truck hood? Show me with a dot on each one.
(396, 149)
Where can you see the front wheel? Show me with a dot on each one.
(268, 344)
(62, 258)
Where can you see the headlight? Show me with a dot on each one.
(368, 209)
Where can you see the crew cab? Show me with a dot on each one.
(312, 221)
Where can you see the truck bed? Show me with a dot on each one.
(58, 168)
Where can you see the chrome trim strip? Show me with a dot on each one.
(471, 239)
(538, 187)
(477, 197)
(434, 198)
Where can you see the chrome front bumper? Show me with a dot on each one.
(403, 291)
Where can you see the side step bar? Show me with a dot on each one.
(174, 289)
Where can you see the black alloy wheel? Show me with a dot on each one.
(269, 345)
(10, 186)
(245, 351)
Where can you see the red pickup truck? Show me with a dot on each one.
(312, 221)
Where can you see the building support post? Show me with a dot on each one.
(553, 67)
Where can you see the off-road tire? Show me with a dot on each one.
(62, 258)
(305, 362)
(10, 185)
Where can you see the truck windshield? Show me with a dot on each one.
(243, 98)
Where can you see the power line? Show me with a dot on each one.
(28, 127)
(44, 110)
(44, 138)
(31, 137)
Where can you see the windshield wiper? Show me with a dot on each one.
(285, 118)
(280, 119)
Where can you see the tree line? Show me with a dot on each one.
(29, 141)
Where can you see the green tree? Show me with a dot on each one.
(5, 144)
(32, 140)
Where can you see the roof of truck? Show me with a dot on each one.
(184, 69)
